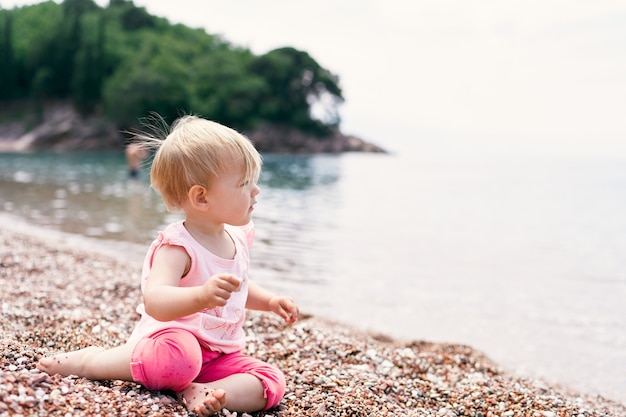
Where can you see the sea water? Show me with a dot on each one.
(521, 257)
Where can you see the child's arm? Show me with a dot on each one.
(165, 300)
(263, 300)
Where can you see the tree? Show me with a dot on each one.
(131, 16)
(8, 82)
(149, 82)
(223, 89)
(128, 63)
(35, 29)
(297, 83)
(89, 63)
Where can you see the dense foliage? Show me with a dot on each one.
(126, 63)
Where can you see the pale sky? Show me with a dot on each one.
(482, 73)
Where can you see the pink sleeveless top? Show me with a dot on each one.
(220, 328)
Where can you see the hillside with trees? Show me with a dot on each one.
(115, 65)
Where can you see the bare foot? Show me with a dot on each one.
(70, 363)
(202, 399)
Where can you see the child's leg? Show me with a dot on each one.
(240, 383)
(92, 362)
(245, 394)
(167, 360)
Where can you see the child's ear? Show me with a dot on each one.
(198, 197)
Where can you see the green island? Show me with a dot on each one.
(75, 75)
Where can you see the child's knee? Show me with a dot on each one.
(274, 384)
(167, 360)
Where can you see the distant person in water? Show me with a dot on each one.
(135, 155)
(195, 282)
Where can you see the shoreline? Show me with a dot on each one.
(62, 292)
(125, 251)
(62, 128)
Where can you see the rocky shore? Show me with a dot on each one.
(56, 298)
(61, 128)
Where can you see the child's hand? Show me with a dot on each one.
(285, 307)
(217, 290)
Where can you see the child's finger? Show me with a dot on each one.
(290, 311)
(232, 280)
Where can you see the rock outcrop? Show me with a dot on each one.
(279, 139)
(61, 128)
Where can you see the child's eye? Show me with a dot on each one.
(243, 184)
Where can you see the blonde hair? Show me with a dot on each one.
(195, 152)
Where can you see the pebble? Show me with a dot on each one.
(331, 370)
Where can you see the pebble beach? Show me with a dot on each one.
(57, 297)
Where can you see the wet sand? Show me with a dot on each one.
(61, 294)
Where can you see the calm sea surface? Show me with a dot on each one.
(523, 258)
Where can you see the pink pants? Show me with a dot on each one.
(172, 359)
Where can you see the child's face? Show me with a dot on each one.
(232, 199)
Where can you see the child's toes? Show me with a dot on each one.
(212, 403)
